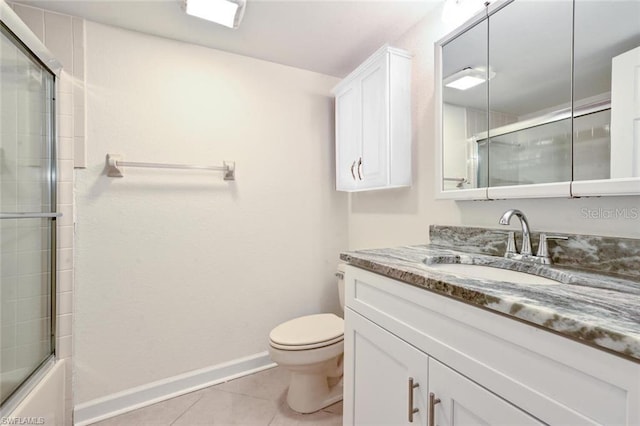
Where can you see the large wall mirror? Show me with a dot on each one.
(541, 99)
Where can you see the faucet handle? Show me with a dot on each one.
(511, 251)
(543, 248)
(511, 244)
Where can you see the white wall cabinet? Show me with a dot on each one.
(373, 123)
(483, 368)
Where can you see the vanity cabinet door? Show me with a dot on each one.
(458, 401)
(378, 370)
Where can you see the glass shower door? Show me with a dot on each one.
(27, 214)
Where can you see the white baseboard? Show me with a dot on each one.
(142, 396)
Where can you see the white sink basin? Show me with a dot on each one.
(489, 273)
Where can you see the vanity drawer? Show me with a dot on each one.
(556, 379)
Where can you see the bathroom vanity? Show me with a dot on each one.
(425, 345)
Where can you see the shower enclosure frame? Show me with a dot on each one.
(26, 41)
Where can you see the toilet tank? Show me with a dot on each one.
(340, 274)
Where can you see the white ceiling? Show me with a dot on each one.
(329, 37)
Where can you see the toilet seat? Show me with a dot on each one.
(308, 332)
(306, 347)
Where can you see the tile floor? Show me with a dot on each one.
(258, 399)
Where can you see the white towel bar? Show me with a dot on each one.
(115, 165)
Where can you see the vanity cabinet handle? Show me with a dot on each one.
(432, 408)
(360, 168)
(412, 410)
(352, 172)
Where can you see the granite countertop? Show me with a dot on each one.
(597, 310)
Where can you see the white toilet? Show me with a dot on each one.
(311, 348)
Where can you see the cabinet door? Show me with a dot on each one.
(374, 161)
(463, 402)
(625, 115)
(378, 368)
(348, 138)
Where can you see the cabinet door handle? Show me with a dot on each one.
(412, 410)
(352, 172)
(360, 168)
(432, 408)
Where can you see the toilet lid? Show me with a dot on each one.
(310, 330)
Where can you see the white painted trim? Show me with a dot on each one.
(540, 190)
(619, 186)
(462, 194)
(171, 387)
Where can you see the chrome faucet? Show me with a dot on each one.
(526, 233)
(526, 254)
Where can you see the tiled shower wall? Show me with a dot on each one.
(24, 265)
(64, 37)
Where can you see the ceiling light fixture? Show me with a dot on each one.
(467, 78)
(224, 12)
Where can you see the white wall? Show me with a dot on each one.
(179, 270)
(402, 216)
